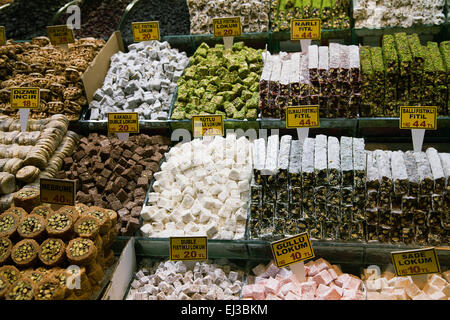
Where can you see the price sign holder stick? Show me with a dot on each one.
(299, 271)
(228, 42)
(305, 45)
(417, 136)
(24, 115)
(302, 134)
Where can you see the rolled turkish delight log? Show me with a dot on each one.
(354, 64)
(308, 164)
(412, 173)
(425, 174)
(271, 164)
(334, 162)
(295, 195)
(418, 55)
(359, 163)
(404, 53)
(334, 196)
(445, 160)
(295, 164)
(344, 67)
(334, 61)
(399, 173)
(259, 156)
(384, 170)
(294, 77)
(320, 161)
(436, 170)
(390, 58)
(347, 161)
(265, 75)
(313, 63)
(323, 64)
(283, 162)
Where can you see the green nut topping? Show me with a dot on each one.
(30, 225)
(87, 226)
(6, 223)
(98, 214)
(24, 252)
(22, 290)
(4, 244)
(50, 250)
(27, 193)
(58, 221)
(10, 275)
(3, 284)
(43, 212)
(80, 247)
(46, 290)
(35, 276)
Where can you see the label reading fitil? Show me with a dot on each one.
(306, 29)
(418, 118)
(145, 31)
(227, 27)
(415, 262)
(122, 122)
(60, 35)
(57, 191)
(292, 250)
(211, 125)
(188, 248)
(2, 36)
(25, 98)
(302, 117)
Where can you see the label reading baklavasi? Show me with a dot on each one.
(302, 117)
(25, 98)
(306, 29)
(145, 31)
(292, 250)
(188, 248)
(210, 125)
(415, 262)
(123, 122)
(2, 36)
(58, 191)
(60, 35)
(418, 118)
(227, 27)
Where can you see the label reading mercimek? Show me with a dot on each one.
(2, 36)
(418, 118)
(188, 248)
(415, 262)
(292, 250)
(60, 35)
(122, 122)
(227, 27)
(306, 29)
(145, 31)
(25, 98)
(57, 191)
(302, 117)
(207, 126)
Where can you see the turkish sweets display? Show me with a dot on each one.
(220, 81)
(56, 71)
(333, 13)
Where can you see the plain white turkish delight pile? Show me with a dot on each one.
(203, 189)
(142, 80)
(323, 282)
(187, 280)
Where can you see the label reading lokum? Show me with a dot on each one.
(292, 250)
(302, 117)
(188, 248)
(60, 35)
(145, 31)
(227, 27)
(2, 36)
(306, 29)
(57, 191)
(207, 126)
(415, 262)
(122, 122)
(25, 98)
(418, 118)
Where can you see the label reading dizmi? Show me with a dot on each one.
(2, 36)
(57, 191)
(60, 35)
(122, 122)
(25, 98)
(302, 117)
(415, 262)
(227, 27)
(306, 29)
(211, 125)
(145, 31)
(188, 248)
(418, 118)
(292, 250)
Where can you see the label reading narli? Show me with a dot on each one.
(227, 27)
(302, 117)
(306, 29)
(145, 31)
(418, 118)
(2, 36)
(292, 250)
(211, 125)
(60, 35)
(188, 248)
(58, 191)
(25, 98)
(122, 122)
(415, 262)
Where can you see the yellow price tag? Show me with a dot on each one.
(415, 262)
(418, 118)
(122, 122)
(306, 29)
(302, 117)
(227, 27)
(25, 98)
(292, 250)
(145, 31)
(188, 248)
(2, 36)
(60, 35)
(58, 191)
(211, 125)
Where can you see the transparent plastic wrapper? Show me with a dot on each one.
(334, 196)
(421, 234)
(259, 156)
(313, 63)
(412, 173)
(425, 174)
(305, 83)
(384, 169)
(283, 161)
(323, 64)
(256, 193)
(345, 231)
(294, 75)
(270, 193)
(359, 163)
(333, 213)
(308, 163)
(354, 63)
(308, 204)
(334, 61)
(372, 233)
(271, 165)
(278, 228)
(346, 213)
(371, 216)
(437, 203)
(290, 227)
(399, 173)
(330, 230)
(436, 170)
(347, 196)
(320, 160)
(315, 229)
(344, 68)
(347, 161)
(295, 195)
(334, 162)
(295, 163)
(409, 204)
(357, 231)
(283, 195)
